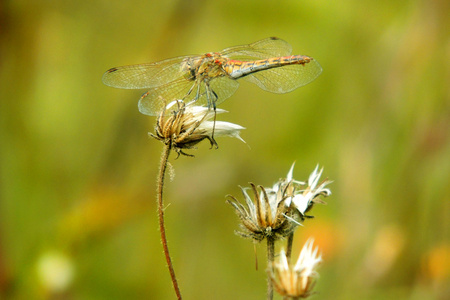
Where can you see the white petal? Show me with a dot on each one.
(250, 205)
(288, 201)
(275, 188)
(173, 103)
(300, 202)
(308, 258)
(290, 173)
(314, 177)
(283, 260)
(226, 129)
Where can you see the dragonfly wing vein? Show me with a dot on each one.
(267, 48)
(286, 78)
(145, 75)
(223, 88)
(156, 99)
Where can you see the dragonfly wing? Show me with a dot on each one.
(267, 48)
(218, 90)
(156, 99)
(145, 75)
(287, 78)
(224, 88)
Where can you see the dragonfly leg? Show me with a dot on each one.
(197, 95)
(212, 102)
(215, 99)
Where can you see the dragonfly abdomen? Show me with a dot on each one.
(238, 69)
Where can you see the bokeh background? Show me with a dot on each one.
(78, 170)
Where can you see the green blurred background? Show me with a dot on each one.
(78, 171)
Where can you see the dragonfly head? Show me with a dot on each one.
(188, 68)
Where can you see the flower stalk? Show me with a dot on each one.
(160, 188)
(181, 127)
(289, 243)
(274, 213)
(270, 259)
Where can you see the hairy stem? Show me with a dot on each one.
(270, 259)
(289, 246)
(162, 172)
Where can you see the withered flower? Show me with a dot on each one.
(304, 199)
(278, 210)
(266, 216)
(183, 126)
(296, 281)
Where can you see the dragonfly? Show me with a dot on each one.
(211, 78)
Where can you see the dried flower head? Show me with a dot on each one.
(265, 216)
(296, 281)
(278, 210)
(297, 195)
(183, 126)
(304, 199)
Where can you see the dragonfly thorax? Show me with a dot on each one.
(205, 67)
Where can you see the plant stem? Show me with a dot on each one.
(289, 246)
(270, 259)
(162, 172)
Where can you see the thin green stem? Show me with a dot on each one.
(289, 246)
(270, 259)
(162, 171)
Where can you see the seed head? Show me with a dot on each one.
(296, 281)
(264, 216)
(183, 126)
(276, 211)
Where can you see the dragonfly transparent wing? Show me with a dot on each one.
(287, 78)
(223, 88)
(267, 48)
(156, 99)
(145, 75)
